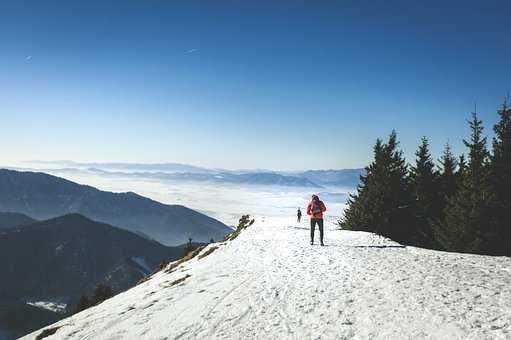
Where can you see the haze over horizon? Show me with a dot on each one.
(63, 163)
(245, 85)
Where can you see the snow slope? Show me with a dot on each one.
(270, 283)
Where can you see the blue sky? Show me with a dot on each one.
(239, 84)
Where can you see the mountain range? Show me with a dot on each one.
(251, 178)
(130, 167)
(184, 172)
(42, 196)
(344, 177)
(48, 265)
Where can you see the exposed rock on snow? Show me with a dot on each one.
(269, 283)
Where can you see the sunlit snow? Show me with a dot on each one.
(269, 283)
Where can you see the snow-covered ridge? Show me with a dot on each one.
(270, 283)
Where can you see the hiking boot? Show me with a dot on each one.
(312, 243)
(322, 244)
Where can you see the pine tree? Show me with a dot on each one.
(465, 226)
(425, 190)
(83, 304)
(448, 175)
(356, 215)
(462, 167)
(188, 247)
(500, 182)
(101, 293)
(383, 201)
(450, 181)
(462, 170)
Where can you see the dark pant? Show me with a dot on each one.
(319, 222)
(299, 218)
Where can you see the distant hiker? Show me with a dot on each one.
(299, 215)
(315, 210)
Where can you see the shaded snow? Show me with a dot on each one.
(269, 283)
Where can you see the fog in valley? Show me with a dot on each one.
(223, 201)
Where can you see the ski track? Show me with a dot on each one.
(270, 283)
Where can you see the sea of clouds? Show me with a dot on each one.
(225, 202)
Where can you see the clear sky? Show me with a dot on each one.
(245, 84)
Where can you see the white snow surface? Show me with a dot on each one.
(56, 307)
(270, 283)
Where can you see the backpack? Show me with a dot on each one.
(316, 208)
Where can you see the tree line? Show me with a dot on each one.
(102, 292)
(460, 204)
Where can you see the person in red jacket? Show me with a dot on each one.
(315, 210)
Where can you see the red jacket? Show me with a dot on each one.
(319, 215)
